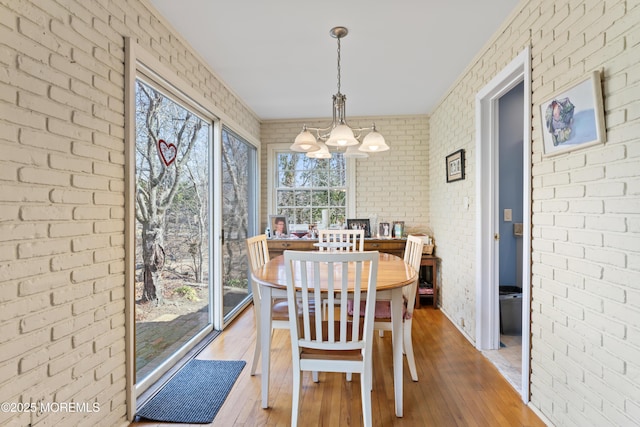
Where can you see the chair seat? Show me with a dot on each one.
(312, 353)
(383, 310)
(280, 309)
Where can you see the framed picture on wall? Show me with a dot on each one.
(455, 166)
(574, 117)
(360, 224)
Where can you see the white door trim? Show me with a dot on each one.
(487, 313)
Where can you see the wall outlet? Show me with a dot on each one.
(462, 322)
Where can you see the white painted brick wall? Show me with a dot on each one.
(61, 110)
(398, 194)
(586, 210)
(62, 322)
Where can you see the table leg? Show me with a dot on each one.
(396, 325)
(265, 325)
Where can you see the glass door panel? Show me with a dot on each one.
(173, 285)
(239, 218)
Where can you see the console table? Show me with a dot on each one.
(390, 246)
(430, 261)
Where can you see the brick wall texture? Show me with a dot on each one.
(585, 318)
(62, 291)
(62, 283)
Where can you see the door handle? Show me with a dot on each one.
(496, 237)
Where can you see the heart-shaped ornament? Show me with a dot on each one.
(167, 152)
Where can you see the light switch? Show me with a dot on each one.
(507, 215)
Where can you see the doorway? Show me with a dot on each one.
(490, 215)
(509, 226)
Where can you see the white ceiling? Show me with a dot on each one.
(400, 57)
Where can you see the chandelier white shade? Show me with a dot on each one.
(305, 142)
(342, 136)
(355, 153)
(339, 134)
(321, 153)
(373, 142)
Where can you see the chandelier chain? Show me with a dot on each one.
(338, 65)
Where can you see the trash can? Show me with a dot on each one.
(510, 310)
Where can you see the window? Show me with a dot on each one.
(304, 187)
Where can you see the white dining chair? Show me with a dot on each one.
(258, 255)
(382, 320)
(340, 241)
(353, 240)
(337, 343)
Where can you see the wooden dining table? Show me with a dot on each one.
(393, 274)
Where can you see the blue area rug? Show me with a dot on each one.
(195, 394)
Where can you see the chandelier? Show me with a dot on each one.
(339, 134)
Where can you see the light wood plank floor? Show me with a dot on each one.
(457, 385)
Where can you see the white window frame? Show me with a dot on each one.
(274, 149)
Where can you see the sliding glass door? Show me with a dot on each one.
(190, 267)
(239, 217)
(172, 223)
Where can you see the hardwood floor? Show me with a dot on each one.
(457, 385)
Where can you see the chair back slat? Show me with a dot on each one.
(354, 237)
(257, 251)
(412, 256)
(334, 276)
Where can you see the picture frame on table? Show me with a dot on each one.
(279, 226)
(398, 229)
(384, 230)
(455, 166)
(360, 224)
(573, 118)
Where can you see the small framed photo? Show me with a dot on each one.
(574, 117)
(455, 166)
(360, 224)
(279, 226)
(398, 229)
(384, 230)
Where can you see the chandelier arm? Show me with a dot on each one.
(321, 133)
(324, 133)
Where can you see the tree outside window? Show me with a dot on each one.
(306, 186)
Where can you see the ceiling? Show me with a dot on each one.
(399, 57)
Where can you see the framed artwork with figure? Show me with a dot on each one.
(574, 117)
(279, 226)
(384, 230)
(360, 224)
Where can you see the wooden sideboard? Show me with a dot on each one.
(391, 246)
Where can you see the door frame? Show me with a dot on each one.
(487, 302)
